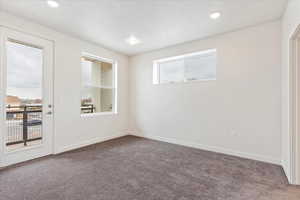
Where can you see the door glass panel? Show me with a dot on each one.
(23, 95)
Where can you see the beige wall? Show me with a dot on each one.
(238, 114)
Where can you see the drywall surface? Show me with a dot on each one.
(72, 130)
(238, 114)
(290, 22)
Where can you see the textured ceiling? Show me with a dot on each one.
(157, 23)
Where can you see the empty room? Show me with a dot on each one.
(149, 100)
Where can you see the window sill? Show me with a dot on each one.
(189, 81)
(98, 114)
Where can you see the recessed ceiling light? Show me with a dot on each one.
(52, 3)
(215, 15)
(132, 40)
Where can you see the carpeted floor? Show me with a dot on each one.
(132, 168)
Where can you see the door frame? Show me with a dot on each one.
(1, 96)
(50, 89)
(294, 90)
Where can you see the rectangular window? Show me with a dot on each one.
(189, 67)
(98, 93)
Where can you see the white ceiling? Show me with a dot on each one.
(157, 23)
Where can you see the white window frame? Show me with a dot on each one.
(156, 67)
(113, 87)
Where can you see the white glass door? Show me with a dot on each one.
(26, 97)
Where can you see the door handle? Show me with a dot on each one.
(49, 113)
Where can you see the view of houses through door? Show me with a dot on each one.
(26, 97)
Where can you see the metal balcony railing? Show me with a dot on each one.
(24, 123)
(88, 108)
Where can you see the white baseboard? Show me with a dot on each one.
(89, 142)
(173, 141)
(286, 171)
(211, 148)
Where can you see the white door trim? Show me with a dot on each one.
(48, 95)
(294, 110)
(1, 96)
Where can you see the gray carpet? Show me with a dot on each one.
(132, 168)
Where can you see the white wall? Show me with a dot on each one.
(71, 130)
(238, 114)
(290, 21)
